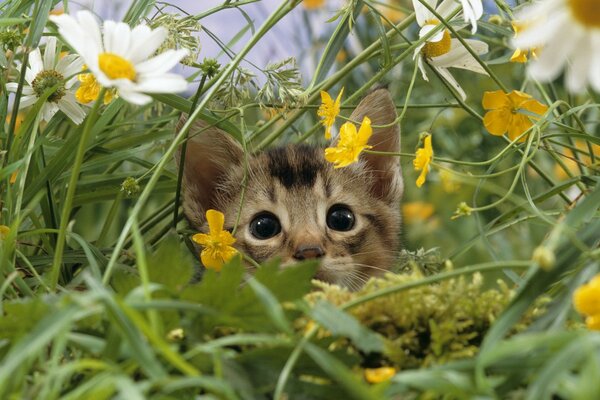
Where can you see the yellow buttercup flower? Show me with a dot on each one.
(586, 300)
(217, 243)
(329, 110)
(378, 375)
(417, 211)
(313, 4)
(89, 89)
(350, 144)
(506, 112)
(423, 158)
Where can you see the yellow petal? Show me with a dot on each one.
(496, 121)
(586, 300)
(226, 238)
(593, 322)
(338, 100)
(519, 56)
(215, 220)
(517, 98)
(211, 260)
(348, 134)
(378, 375)
(422, 176)
(201, 238)
(364, 132)
(519, 124)
(494, 100)
(535, 107)
(326, 98)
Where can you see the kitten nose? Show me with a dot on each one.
(308, 252)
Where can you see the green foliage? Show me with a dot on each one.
(100, 298)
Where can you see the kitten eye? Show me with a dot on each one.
(264, 226)
(340, 218)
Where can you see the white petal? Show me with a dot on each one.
(134, 97)
(12, 87)
(145, 42)
(35, 62)
(450, 79)
(50, 53)
(421, 12)
(553, 57)
(69, 65)
(85, 40)
(69, 106)
(30, 75)
(428, 28)
(48, 111)
(90, 25)
(167, 83)
(472, 10)
(594, 66)
(421, 66)
(161, 63)
(459, 56)
(26, 101)
(577, 73)
(445, 8)
(543, 31)
(117, 38)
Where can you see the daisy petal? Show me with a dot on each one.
(35, 62)
(421, 12)
(50, 53)
(145, 42)
(135, 97)
(69, 106)
(166, 83)
(450, 79)
(553, 57)
(69, 66)
(117, 38)
(161, 63)
(48, 111)
(459, 56)
(26, 101)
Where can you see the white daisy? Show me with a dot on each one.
(441, 51)
(472, 10)
(121, 57)
(566, 34)
(43, 74)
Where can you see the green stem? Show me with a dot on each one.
(182, 156)
(68, 204)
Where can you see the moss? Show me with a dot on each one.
(429, 324)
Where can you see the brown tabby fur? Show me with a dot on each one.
(297, 184)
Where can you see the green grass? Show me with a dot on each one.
(97, 299)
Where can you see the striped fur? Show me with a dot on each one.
(296, 184)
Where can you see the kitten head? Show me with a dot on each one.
(295, 205)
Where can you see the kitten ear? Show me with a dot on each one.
(210, 154)
(380, 108)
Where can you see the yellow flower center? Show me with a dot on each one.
(116, 67)
(436, 49)
(586, 11)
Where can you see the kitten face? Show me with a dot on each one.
(296, 206)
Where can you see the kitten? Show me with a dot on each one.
(296, 206)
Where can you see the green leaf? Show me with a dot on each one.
(350, 382)
(340, 323)
(287, 283)
(171, 265)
